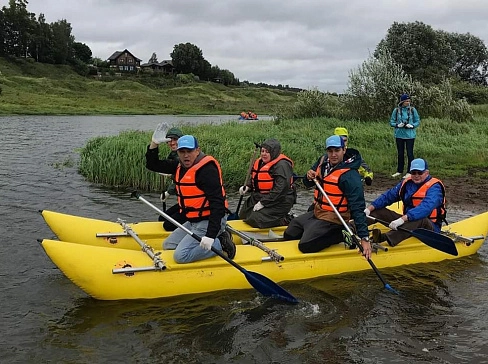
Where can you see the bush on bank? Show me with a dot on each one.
(452, 149)
(373, 91)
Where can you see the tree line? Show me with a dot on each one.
(188, 58)
(430, 56)
(22, 34)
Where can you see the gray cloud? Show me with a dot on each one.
(308, 43)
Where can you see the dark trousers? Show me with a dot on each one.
(401, 144)
(395, 237)
(314, 234)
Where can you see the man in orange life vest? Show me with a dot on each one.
(273, 193)
(340, 179)
(423, 198)
(201, 197)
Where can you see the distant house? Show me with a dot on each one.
(124, 61)
(165, 66)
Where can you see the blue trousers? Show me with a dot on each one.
(186, 248)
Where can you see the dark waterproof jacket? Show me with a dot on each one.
(350, 184)
(170, 188)
(207, 179)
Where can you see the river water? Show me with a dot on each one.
(440, 316)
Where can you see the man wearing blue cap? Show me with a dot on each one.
(201, 198)
(321, 227)
(424, 199)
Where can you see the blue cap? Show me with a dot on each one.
(187, 142)
(404, 97)
(334, 141)
(418, 165)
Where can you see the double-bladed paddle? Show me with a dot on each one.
(262, 284)
(428, 237)
(358, 243)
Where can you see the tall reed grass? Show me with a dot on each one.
(452, 149)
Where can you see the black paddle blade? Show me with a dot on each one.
(436, 241)
(267, 287)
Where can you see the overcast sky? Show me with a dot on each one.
(301, 43)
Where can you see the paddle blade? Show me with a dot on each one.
(391, 289)
(267, 287)
(233, 216)
(436, 241)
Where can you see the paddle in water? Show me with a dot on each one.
(428, 237)
(358, 243)
(262, 284)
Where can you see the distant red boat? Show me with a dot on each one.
(248, 116)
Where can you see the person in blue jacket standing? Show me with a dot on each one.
(405, 119)
(424, 205)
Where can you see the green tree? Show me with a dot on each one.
(82, 52)
(430, 55)
(228, 78)
(18, 28)
(375, 86)
(214, 72)
(188, 58)
(41, 48)
(98, 62)
(204, 70)
(3, 33)
(62, 41)
(421, 51)
(153, 59)
(471, 57)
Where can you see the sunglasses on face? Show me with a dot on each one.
(419, 173)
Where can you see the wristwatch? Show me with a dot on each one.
(365, 239)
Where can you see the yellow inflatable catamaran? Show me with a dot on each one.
(102, 233)
(128, 273)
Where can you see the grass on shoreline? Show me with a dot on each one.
(451, 149)
(31, 88)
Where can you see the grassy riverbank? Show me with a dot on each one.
(43, 89)
(452, 149)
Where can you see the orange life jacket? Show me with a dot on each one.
(438, 215)
(192, 200)
(262, 181)
(331, 188)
